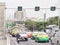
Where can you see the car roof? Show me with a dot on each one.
(41, 33)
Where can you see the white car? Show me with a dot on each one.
(23, 36)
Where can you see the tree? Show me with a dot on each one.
(30, 24)
(53, 20)
(42, 25)
(33, 25)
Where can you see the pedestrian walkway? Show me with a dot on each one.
(3, 42)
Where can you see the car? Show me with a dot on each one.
(34, 34)
(23, 36)
(29, 34)
(42, 37)
(14, 32)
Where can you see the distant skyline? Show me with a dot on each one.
(32, 4)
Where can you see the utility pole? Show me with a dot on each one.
(58, 22)
(44, 21)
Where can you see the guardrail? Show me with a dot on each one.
(11, 41)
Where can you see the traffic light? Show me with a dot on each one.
(52, 8)
(20, 8)
(37, 8)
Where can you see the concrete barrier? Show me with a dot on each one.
(11, 41)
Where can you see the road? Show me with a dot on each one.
(32, 42)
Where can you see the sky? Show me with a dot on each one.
(31, 4)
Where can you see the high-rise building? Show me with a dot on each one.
(2, 13)
(19, 16)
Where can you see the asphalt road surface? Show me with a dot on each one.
(32, 42)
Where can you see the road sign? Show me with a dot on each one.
(9, 24)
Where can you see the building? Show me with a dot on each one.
(19, 16)
(2, 13)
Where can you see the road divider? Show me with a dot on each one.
(10, 40)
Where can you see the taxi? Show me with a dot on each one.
(34, 34)
(14, 32)
(42, 36)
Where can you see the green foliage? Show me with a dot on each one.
(53, 20)
(42, 25)
(30, 24)
(36, 25)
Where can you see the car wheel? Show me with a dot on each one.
(26, 39)
(13, 35)
(36, 41)
(47, 41)
(18, 41)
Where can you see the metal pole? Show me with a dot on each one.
(33, 27)
(44, 21)
(58, 21)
